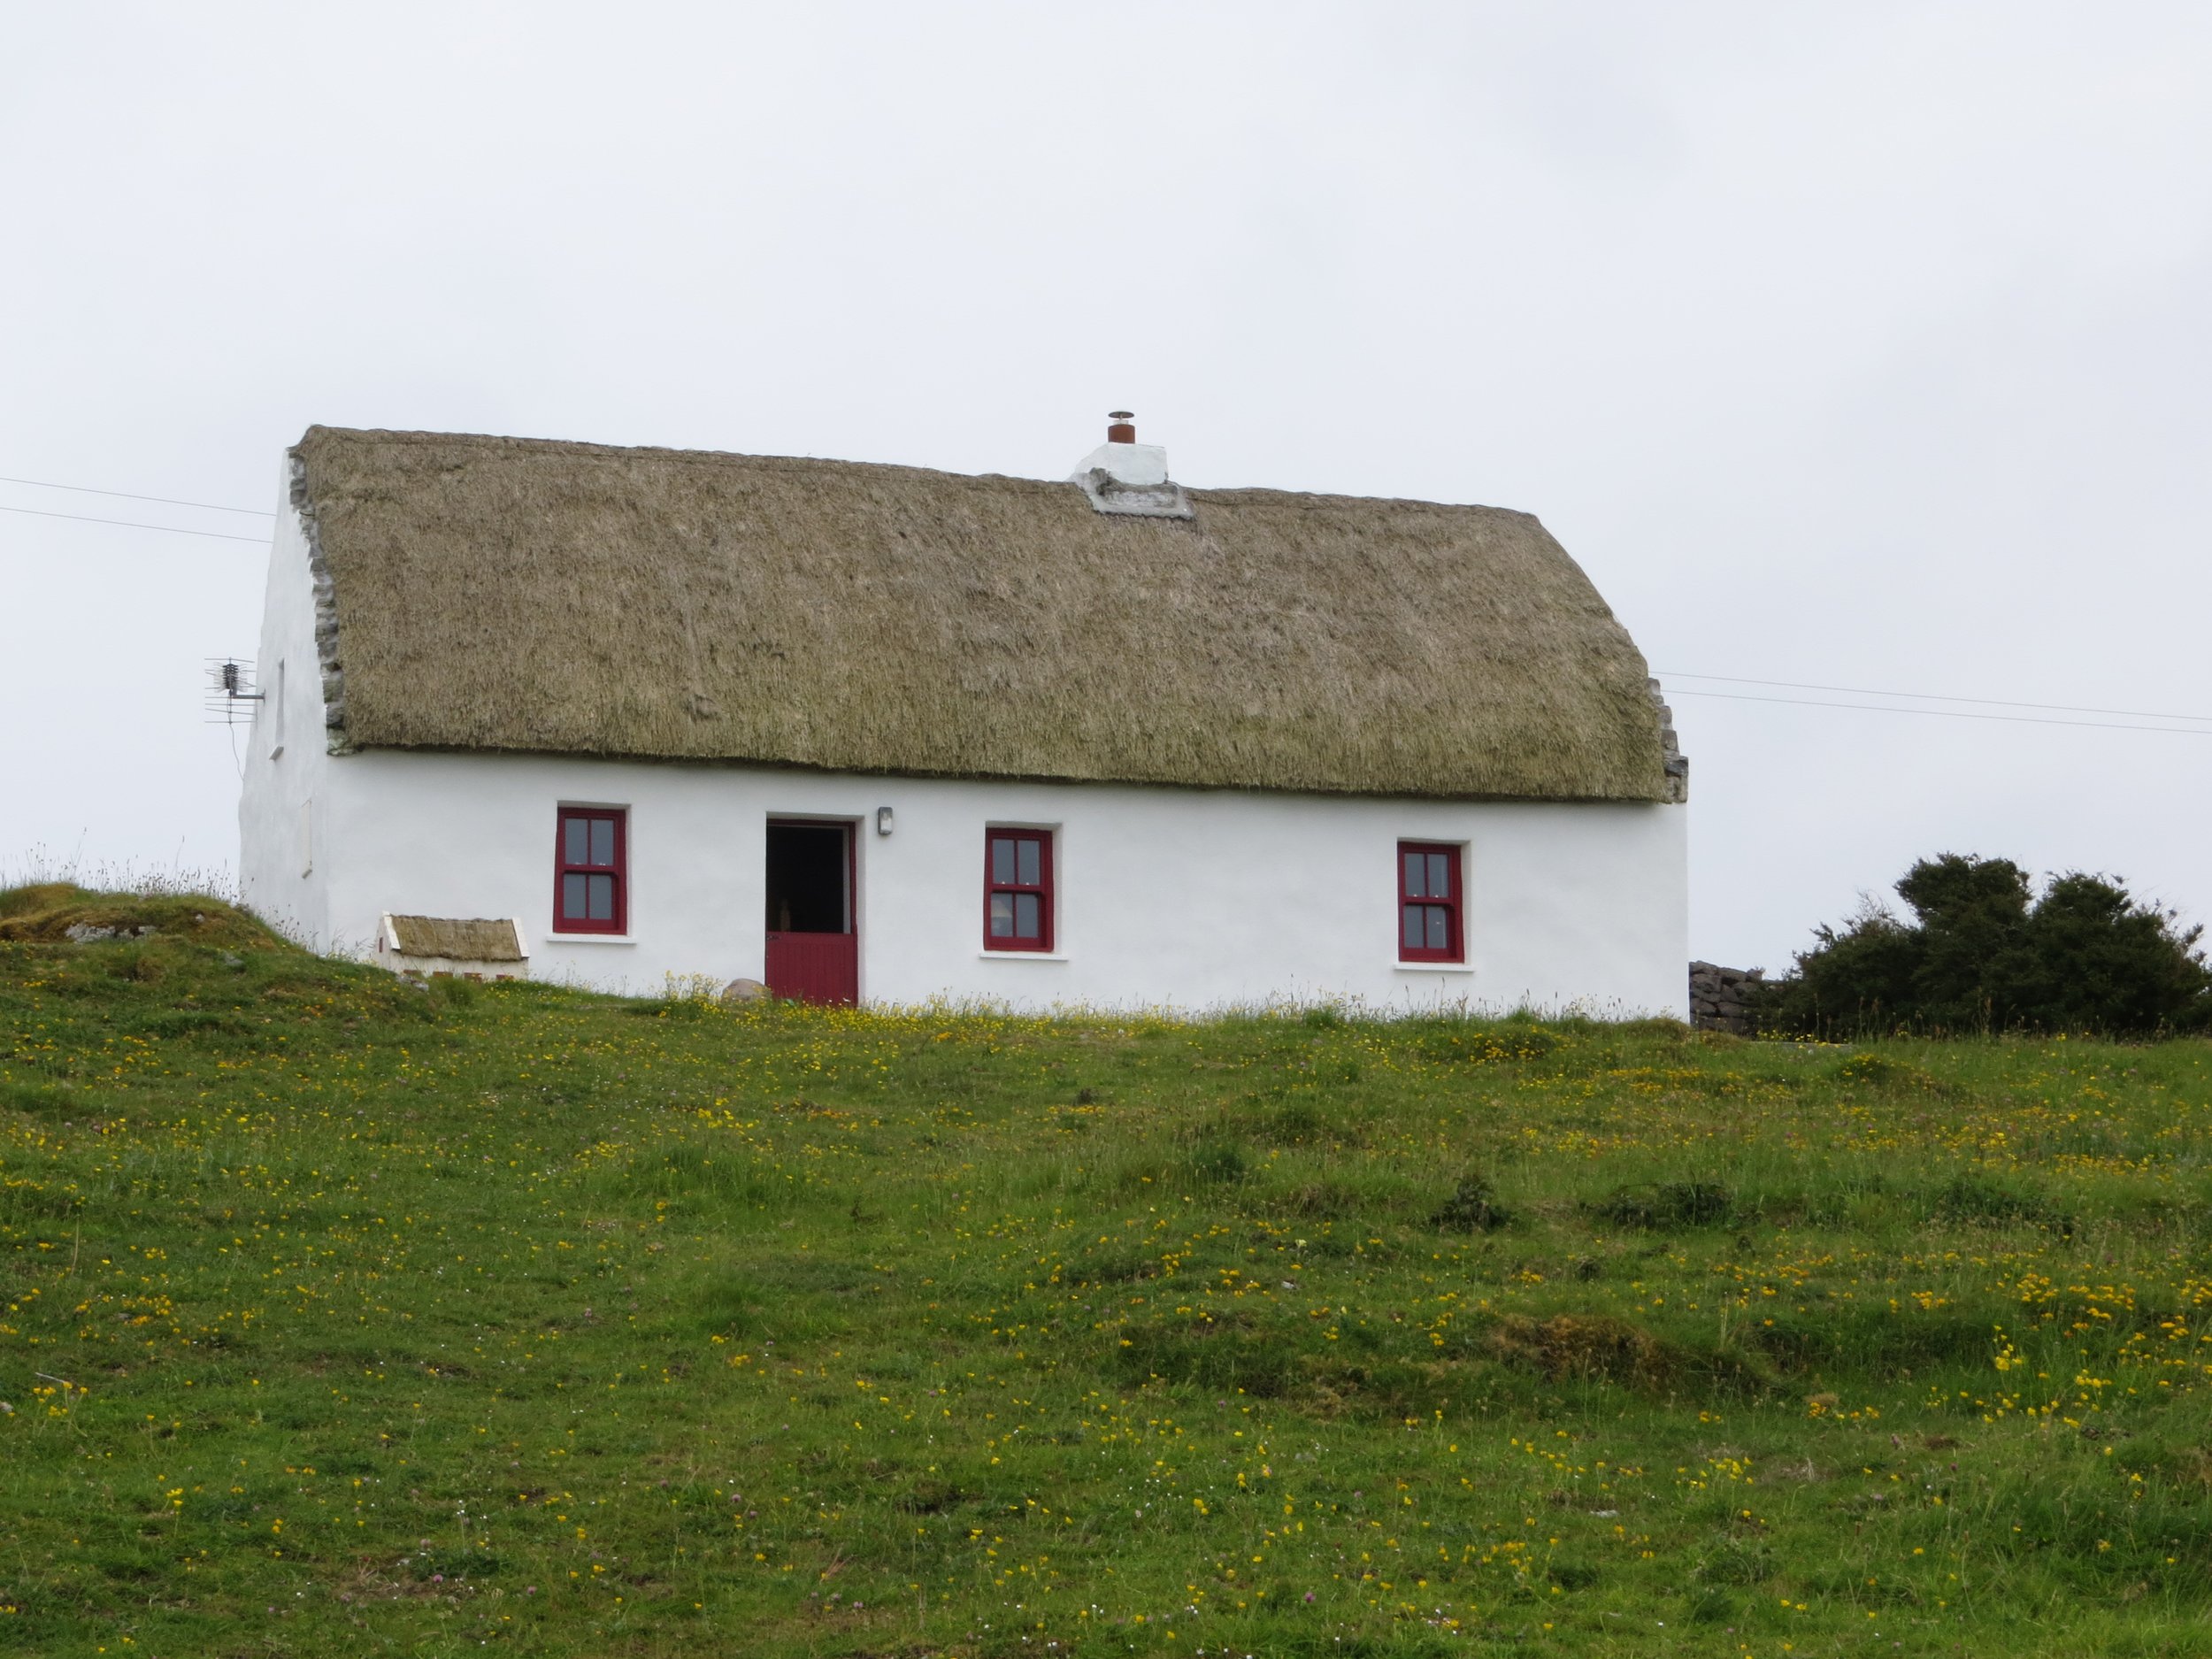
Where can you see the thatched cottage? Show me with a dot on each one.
(880, 732)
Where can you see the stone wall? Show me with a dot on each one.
(1719, 997)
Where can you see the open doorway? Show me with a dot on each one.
(813, 943)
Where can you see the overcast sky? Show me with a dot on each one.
(1861, 346)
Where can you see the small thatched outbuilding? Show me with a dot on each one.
(480, 649)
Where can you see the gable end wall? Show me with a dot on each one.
(287, 839)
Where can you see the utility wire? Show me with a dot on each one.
(1951, 714)
(1679, 691)
(124, 494)
(128, 524)
(1933, 696)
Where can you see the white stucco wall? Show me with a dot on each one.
(1127, 462)
(283, 852)
(1189, 898)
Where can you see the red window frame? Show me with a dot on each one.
(1424, 914)
(613, 868)
(1009, 898)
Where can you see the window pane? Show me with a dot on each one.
(576, 836)
(602, 898)
(1439, 875)
(571, 898)
(1002, 861)
(1027, 911)
(1412, 930)
(603, 840)
(1001, 916)
(1032, 873)
(1414, 888)
(1440, 928)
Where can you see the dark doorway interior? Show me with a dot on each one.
(813, 946)
(810, 879)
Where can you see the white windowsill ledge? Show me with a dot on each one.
(590, 939)
(1020, 955)
(1434, 967)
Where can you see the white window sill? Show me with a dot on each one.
(1434, 967)
(590, 939)
(1020, 956)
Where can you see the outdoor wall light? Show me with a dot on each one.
(883, 820)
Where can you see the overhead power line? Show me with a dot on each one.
(1929, 697)
(124, 494)
(130, 524)
(1951, 714)
(2127, 715)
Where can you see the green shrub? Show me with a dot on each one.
(1983, 953)
(1473, 1207)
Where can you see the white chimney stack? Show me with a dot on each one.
(1122, 458)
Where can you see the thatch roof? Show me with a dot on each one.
(471, 939)
(507, 593)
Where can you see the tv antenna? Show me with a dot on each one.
(230, 691)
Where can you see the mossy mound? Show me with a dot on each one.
(62, 913)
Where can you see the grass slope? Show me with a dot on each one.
(343, 1317)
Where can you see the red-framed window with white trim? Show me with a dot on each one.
(1431, 913)
(591, 871)
(1017, 889)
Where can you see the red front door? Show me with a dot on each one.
(813, 934)
(814, 967)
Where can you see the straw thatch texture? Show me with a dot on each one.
(518, 595)
(475, 939)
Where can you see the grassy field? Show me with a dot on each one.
(343, 1317)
